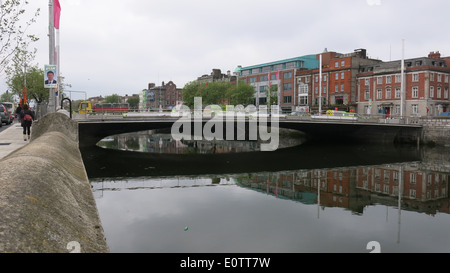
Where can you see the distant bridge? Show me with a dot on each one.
(93, 129)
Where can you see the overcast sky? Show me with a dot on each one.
(117, 46)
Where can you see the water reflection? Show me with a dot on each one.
(304, 198)
(422, 189)
(161, 141)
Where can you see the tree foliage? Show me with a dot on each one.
(13, 27)
(133, 102)
(114, 98)
(218, 93)
(34, 78)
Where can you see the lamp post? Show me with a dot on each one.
(320, 84)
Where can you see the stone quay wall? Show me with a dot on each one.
(46, 201)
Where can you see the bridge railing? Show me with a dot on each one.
(355, 118)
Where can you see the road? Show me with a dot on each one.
(4, 127)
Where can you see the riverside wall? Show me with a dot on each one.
(436, 131)
(46, 201)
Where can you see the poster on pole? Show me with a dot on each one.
(50, 76)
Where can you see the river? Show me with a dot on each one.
(158, 195)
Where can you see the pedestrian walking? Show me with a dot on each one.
(27, 117)
(18, 111)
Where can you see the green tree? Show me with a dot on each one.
(7, 97)
(240, 94)
(133, 102)
(114, 98)
(34, 78)
(218, 93)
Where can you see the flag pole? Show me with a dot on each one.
(51, 29)
(320, 84)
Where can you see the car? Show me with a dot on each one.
(10, 109)
(3, 115)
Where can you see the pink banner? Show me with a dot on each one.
(56, 13)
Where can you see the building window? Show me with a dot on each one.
(342, 87)
(367, 82)
(446, 79)
(397, 109)
(388, 79)
(415, 109)
(412, 178)
(336, 64)
(379, 94)
(446, 93)
(273, 77)
(438, 92)
(262, 88)
(342, 63)
(263, 78)
(379, 80)
(431, 76)
(431, 91)
(342, 75)
(288, 75)
(366, 94)
(388, 93)
(287, 99)
(316, 90)
(252, 79)
(415, 77)
(336, 76)
(397, 92)
(287, 86)
(303, 100)
(324, 78)
(336, 88)
(303, 89)
(439, 77)
(398, 78)
(415, 92)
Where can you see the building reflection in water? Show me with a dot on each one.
(420, 189)
(420, 186)
(162, 142)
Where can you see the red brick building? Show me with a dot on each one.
(426, 87)
(338, 85)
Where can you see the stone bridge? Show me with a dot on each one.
(95, 128)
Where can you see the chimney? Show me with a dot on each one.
(434, 55)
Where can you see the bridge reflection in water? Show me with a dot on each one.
(372, 183)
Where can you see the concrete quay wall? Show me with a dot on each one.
(46, 201)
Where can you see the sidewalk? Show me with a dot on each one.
(11, 139)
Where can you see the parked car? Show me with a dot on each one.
(3, 115)
(10, 108)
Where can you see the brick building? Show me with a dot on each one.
(297, 80)
(338, 85)
(278, 76)
(426, 87)
(164, 97)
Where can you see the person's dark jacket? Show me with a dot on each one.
(22, 116)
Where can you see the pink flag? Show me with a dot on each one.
(278, 75)
(56, 13)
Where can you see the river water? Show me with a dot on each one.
(155, 194)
